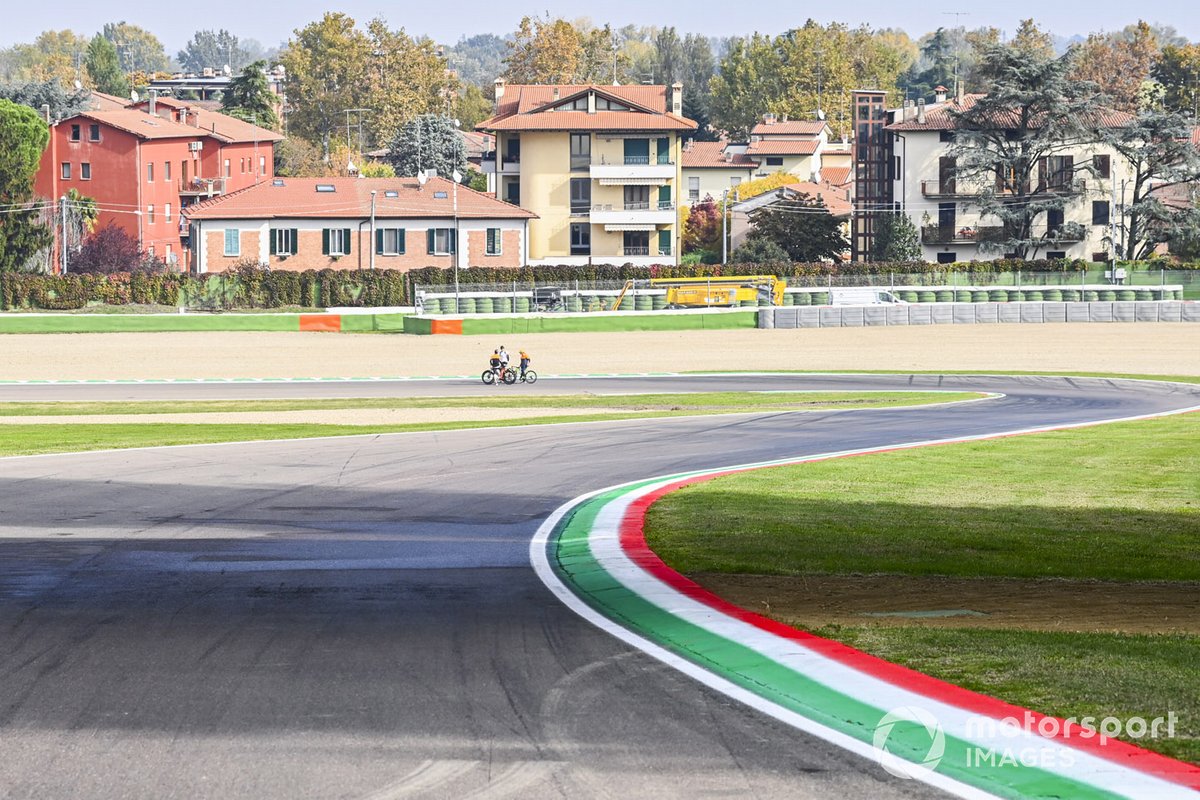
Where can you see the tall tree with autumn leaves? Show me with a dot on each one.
(555, 51)
(1119, 63)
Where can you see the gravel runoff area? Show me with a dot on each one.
(1145, 348)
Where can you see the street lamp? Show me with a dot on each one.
(456, 177)
(371, 243)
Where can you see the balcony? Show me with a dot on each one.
(949, 188)
(202, 187)
(632, 170)
(635, 251)
(937, 234)
(510, 165)
(648, 214)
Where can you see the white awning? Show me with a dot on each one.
(628, 226)
(632, 181)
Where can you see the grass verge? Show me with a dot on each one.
(1117, 503)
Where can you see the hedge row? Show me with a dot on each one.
(249, 286)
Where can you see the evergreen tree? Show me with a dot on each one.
(896, 238)
(428, 142)
(23, 138)
(803, 227)
(51, 93)
(104, 67)
(249, 97)
(935, 68)
(759, 250)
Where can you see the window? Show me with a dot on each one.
(1053, 254)
(946, 136)
(228, 169)
(150, 172)
(664, 243)
(321, 187)
(66, 170)
(693, 189)
(75, 133)
(167, 171)
(242, 166)
(150, 214)
(335, 241)
(637, 151)
(85, 171)
(1055, 217)
(440, 241)
(1103, 166)
(581, 239)
(636, 243)
(1099, 212)
(512, 150)
(166, 212)
(637, 198)
(1056, 172)
(233, 242)
(284, 241)
(578, 104)
(512, 192)
(93, 133)
(581, 150)
(389, 242)
(735, 181)
(581, 195)
(493, 241)
(262, 165)
(774, 161)
(1101, 256)
(947, 258)
(604, 104)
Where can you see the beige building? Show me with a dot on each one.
(599, 166)
(712, 168)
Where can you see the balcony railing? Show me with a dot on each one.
(635, 161)
(938, 234)
(948, 188)
(660, 205)
(635, 251)
(205, 186)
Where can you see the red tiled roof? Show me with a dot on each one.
(525, 107)
(141, 124)
(298, 198)
(794, 127)
(213, 123)
(704, 155)
(941, 117)
(834, 196)
(835, 176)
(106, 102)
(771, 147)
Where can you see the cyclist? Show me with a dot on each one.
(525, 359)
(503, 358)
(494, 362)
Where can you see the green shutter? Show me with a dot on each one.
(664, 150)
(664, 194)
(664, 243)
(453, 241)
(429, 239)
(295, 241)
(346, 239)
(274, 239)
(400, 241)
(379, 242)
(324, 241)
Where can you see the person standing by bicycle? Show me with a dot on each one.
(525, 359)
(494, 362)
(503, 358)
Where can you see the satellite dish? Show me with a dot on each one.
(226, 69)
(457, 176)
(134, 96)
(78, 85)
(422, 178)
(820, 114)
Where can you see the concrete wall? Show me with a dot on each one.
(974, 313)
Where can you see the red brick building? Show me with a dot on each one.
(144, 168)
(326, 223)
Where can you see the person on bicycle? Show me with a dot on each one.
(525, 359)
(503, 358)
(494, 362)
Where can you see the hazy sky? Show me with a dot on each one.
(272, 23)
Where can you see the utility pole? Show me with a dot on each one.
(372, 242)
(957, 25)
(724, 237)
(63, 244)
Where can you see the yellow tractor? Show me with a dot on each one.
(726, 290)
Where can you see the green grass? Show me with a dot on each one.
(1116, 502)
(698, 401)
(28, 439)
(1062, 674)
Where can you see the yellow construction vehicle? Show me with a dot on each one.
(726, 290)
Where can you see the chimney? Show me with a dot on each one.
(46, 112)
(554, 92)
(191, 117)
(677, 98)
(921, 111)
(768, 118)
(152, 105)
(940, 94)
(783, 118)
(498, 85)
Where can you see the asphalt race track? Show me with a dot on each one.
(357, 617)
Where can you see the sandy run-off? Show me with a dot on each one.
(1145, 348)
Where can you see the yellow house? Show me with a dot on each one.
(601, 166)
(794, 146)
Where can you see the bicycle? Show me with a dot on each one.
(529, 377)
(507, 376)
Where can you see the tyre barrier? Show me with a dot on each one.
(803, 298)
(1052, 295)
(1070, 295)
(658, 302)
(944, 296)
(908, 297)
(483, 305)
(1033, 297)
(926, 297)
(521, 305)
(1107, 296)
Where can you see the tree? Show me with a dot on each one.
(428, 142)
(108, 250)
(479, 59)
(694, 108)
(297, 158)
(1177, 71)
(51, 93)
(104, 67)
(249, 97)
(137, 48)
(406, 77)
(1033, 42)
(1015, 144)
(803, 227)
(377, 169)
(896, 238)
(326, 66)
(702, 231)
(1158, 150)
(1119, 63)
(935, 68)
(554, 51)
(208, 48)
(471, 107)
(668, 57)
(759, 250)
(23, 137)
